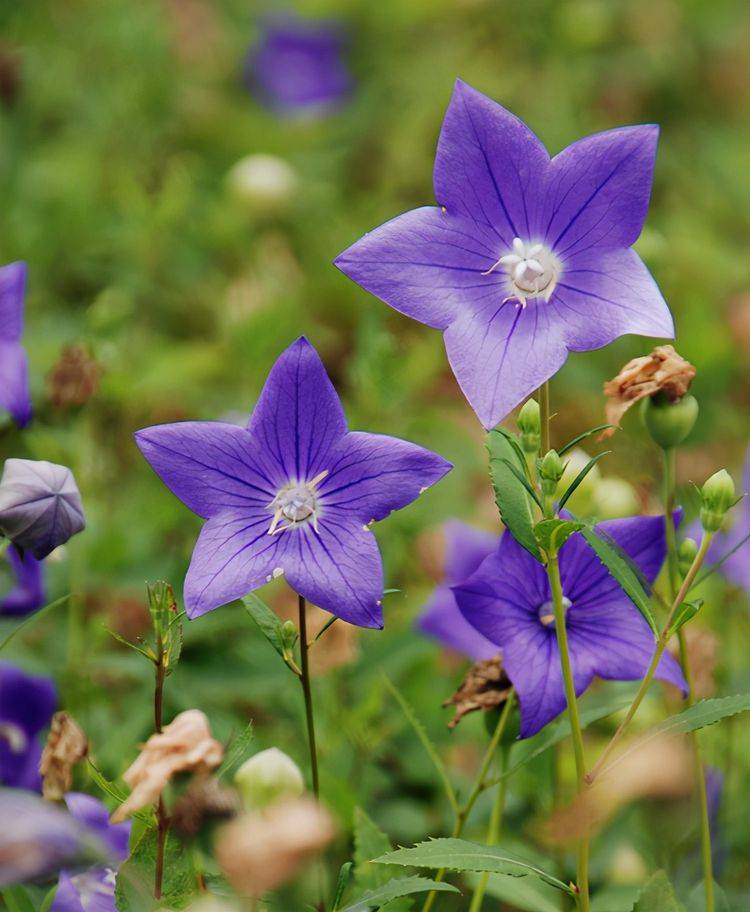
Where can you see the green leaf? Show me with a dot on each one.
(706, 712)
(236, 751)
(267, 620)
(109, 788)
(687, 612)
(462, 855)
(17, 899)
(395, 889)
(427, 744)
(580, 476)
(370, 842)
(33, 618)
(658, 896)
(134, 887)
(553, 533)
(576, 440)
(520, 892)
(622, 569)
(511, 496)
(342, 881)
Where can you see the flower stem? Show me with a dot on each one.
(162, 820)
(543, 399)
(306, 690)
(661, 645)
(462, 814)
(553, 572)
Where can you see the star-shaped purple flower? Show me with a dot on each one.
(293, 494)
(27, 593)
(527, 258)
(509, 601)
(465, 549)
(26, 707)
(297, 67)
(14, 372)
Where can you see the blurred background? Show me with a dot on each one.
(179, 206)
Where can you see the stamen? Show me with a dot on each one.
(296, 504)
(532, 271)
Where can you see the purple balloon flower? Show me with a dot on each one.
(92, 890)
(26, 707)
(527, 258)
(509, 601)
(297, 67)
(293, 494)
(27, 593)
(40, 506)
(14, 372)
(465, 549)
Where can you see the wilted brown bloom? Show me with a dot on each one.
(66, 745)
(486, 686)
(259, 852)
(204, 800)
(74, 379)
(185, 745)
(663, 371)
(658, 768)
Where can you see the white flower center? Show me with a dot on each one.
(295, 504)
(14, 737)
(547, 611)
(532, 271)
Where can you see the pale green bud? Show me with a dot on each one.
(614, 498)
(268, 777)
(551, 470)
(717, 496)
(686, 554)
(669, 423)
(530, 425)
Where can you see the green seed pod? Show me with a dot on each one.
(530, 426)
(717, 496)
(669, 423)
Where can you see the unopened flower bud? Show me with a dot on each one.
(717, 496)
(551, 470)
(40, 506)
(268, 777)
(669, 423)
(686, 555)
(614, 498)
(530, 426)
(289, 634)
(265, 183)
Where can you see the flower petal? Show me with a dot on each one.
(598, 190)
(207, 464)
(465, 549)
(427, 264)
(501, 356)
(12, 292)
(489, 167)
(26, 700)
(27, 594)
(14, 382)
(298, 418)
(94, 815)
(602, 295)
(67, 898)
(441, 619)
(371, 475)
(338, 569)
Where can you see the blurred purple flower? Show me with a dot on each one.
(293, 494)
(92, 890)
(526, 258)
(508, 599)
(40, 507)
(27, 592)
(26, 707)
(38, 839)
(465, 549)
(14, 379)
(297, 67)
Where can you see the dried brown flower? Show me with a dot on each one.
(74, 379)
(185, 745)
(663, 371)
(486, 686)
(259, 852)
(204, 800)
(66, 745)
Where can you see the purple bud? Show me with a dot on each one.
(40, 506)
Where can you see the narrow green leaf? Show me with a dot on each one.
(370, 842)
(511, 495)
(658, 896)
(267, 620)
(687, 612)
(553, 533)
(462, 855)
(521, 477)
(622, 569)
(342, 882)
(395, 889)
(32, 618)
(580, 476)
(236, 752)
(520, 455)
(427, 744)
(721, 561)
(109, 788)
(576, 440)
(17, 899)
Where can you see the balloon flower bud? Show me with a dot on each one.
(669, 423)
(717, 496)
(530, 426)
(40, 506)
(267, 184)
(551, 470)
(686, 555)
(268, 777)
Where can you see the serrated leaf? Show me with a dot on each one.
(267, 620)
(658, 896)
(511, 497)
(622, 569)
(520, 892)
(134, 885)
(394, 889)
(462, 855)
(370, 842)
(553, 533)
(236, 751)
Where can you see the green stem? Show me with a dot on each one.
(306, 690)
(479, 785)
(162, 819)
(493, 833)
(671, 535)
(543, 399)
(661, 645)
(553, 572)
